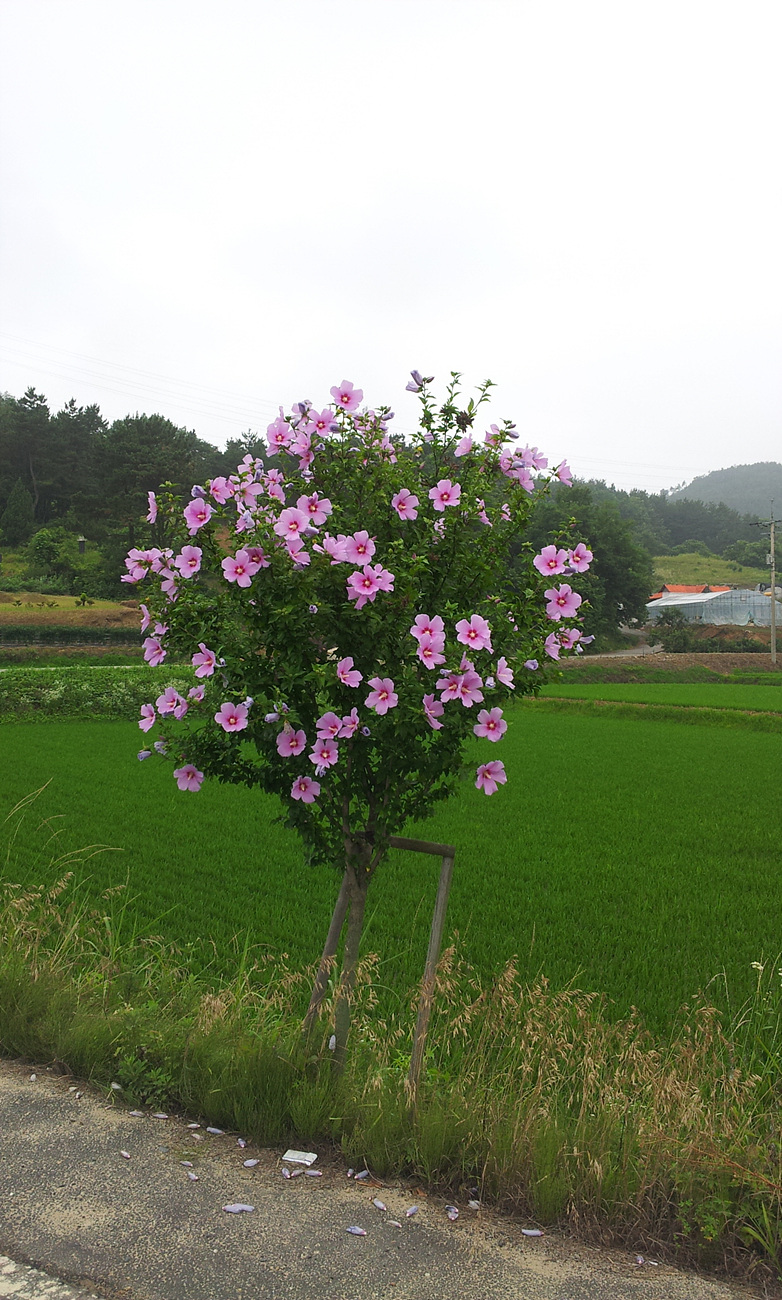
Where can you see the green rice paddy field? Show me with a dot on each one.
(636, 858)
(697, 695)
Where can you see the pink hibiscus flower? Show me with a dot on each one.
(350, 724)
(475, 633)
(580, 558)
(504, 673)
(426, 626)
(359, 548)
(470, 689)
(347, 396)
(327, 726)
(363, 586)
(433, 710)
(430, 651)
(153, 651)
(147, 719)
(449, 686)
(491, 725)
(204, 662)
(316, 509)
(551, 560)
(382, 697)
(188, 777)
(232, 717)
(489, 776)
(290, 742)
(562, 602)
(347, 674)
(197, 513)
(564, 474)
(189, 560)
(152, 513)
(306, 789)
(445, 494)
(404, 502)
(324, 753)
(291, 523)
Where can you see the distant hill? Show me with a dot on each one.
(748, 489)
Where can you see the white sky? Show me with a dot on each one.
(208, 209)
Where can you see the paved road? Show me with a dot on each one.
(137, 1227)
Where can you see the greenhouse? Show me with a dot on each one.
(738, 607)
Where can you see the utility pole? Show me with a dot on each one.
(771, 559)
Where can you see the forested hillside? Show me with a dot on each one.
(749, 489)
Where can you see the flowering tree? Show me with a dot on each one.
(353, 619)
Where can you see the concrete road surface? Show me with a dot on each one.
(93, 1197)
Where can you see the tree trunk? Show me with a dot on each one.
(327, 958)
(359, 881)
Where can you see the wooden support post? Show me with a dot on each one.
(447, 853)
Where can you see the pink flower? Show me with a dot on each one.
(449, 686)
(404, 502)
(297, 553)
(335, 547)
(239, 568)
(232, 717)
(257, 556)
(291, 524)
(347, 674)
(290, 742)
(489, 776)
(189, 560)
(196, 693)
(347, 396)
(551, 560)
(491, 725)
(382, 698)
(476, 633)
(147, 617)
(384, 579)
(359, 548)
(325, 752)
(318, 511)
(205, 662)
(445, 494)
(152, 515)
(188, 777)
(562, 602)
(168, 701)
(426, 626)
(429, 651)
(532, 664)
(463, 447)
(504, 673)
(147, 717)
(569, 637)
(279, 433)
(153, 651)
(551, 646)
(306, 789)
(327, 726)
(220, 490)
(580, 558)
(350, 724)
(470, 689)
(564, 474)
(433, 710)
(197, 513)
(324, 421)
(363, 586)
(493, 436)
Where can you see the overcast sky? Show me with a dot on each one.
(208, 209)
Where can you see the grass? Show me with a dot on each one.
(693, 568)
(669, 1144)
(718, 696)
(610, 858)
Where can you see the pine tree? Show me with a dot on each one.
(17, 520)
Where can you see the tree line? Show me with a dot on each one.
(73, 474)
